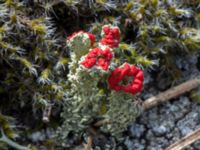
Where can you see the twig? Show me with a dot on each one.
(171, 93)
(11, 143)
(185, 141)
(46, 113)
(88, 146)
(102, 122)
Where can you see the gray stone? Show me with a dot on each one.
(196, 145)
(134, 145)
(159, 130)
(137, 146)
(137, 130)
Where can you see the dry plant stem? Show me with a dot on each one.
(46, 113)
(102, 122)
(11, 143)
(187, 140)
(88, 146)
(171, 93)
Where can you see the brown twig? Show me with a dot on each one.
(185, 141)
(88, 146)
(171, 93)
(102, 122)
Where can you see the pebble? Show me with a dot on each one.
(137, 130)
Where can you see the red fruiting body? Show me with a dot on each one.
(98, 57)
(90, 35)
(111, 37)
(92, 38)
(120, 73)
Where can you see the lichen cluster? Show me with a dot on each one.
(92, 97)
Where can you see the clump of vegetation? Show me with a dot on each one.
(100, 90)
(33, 63)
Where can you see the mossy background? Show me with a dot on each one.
(34, 58)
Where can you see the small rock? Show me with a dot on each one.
(159, 130)
(196, 145)
(134, 145)
(137, 130)
(185, 130)
(137, 146)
